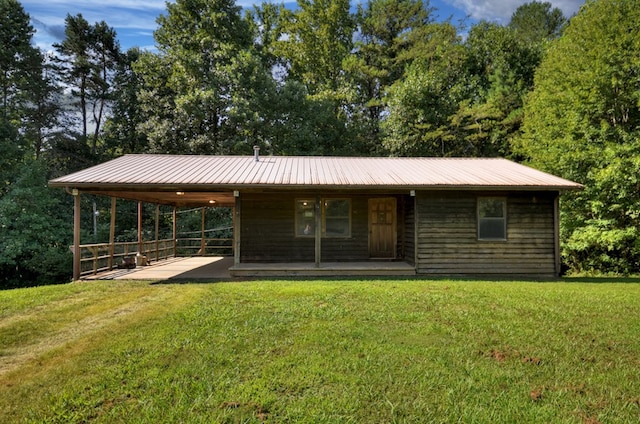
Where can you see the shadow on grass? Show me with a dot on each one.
(355, 278)
(400, 279)
(602, 280)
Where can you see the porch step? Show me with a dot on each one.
(329, 269)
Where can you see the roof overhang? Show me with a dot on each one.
(213, 180)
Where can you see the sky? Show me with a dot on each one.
(135, 20)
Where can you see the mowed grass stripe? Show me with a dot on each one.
(342, 351)
(78, 311)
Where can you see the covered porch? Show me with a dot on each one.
(221, 268)
(113, 258)
(209, 259)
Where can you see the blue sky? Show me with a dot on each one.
(135, 20)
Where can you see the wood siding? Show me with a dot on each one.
(268, 225)
(448, 242)
(407, 230)
(267, 230)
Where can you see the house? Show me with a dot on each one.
(356, 215)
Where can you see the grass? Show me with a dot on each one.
(321, 351)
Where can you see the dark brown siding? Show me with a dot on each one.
(448, 244)
(408, 231)
(356, 247)
(267, 233)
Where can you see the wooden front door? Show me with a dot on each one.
(382, 228)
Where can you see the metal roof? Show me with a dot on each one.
(224, 173)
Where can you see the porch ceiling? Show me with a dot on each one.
(176, 198)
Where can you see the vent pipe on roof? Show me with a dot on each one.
(256, 153)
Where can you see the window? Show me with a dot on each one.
(492, 219)
(305, 218)
(336, 218)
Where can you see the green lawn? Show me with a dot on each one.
(321, 351)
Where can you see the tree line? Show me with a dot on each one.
(388, 78)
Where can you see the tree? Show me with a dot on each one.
(318, 36)
(420, 104)
(501, 68)
(35, 231)
(188, 88)
(537, 21)
(77, 69)
(106, 56)
(390, 36)
(312, 42)
(17, 60)
(16, 53)
(41, 119)
(122, 129)
(582, 121)
(88, 58)
(267, 22)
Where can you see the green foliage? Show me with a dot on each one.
(19, 66)
(322, 79)
(10, 153)
(582, 121)
(34, 230)
(604, 236)
(421, 103)
(318, 38)
(537, 21)
(41, 119)
(500, 67)
(391, 35)
(313, 42)
(192, 95)
(16, 53)
(122, 129)
(88, 57)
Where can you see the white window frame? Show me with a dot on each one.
(494, 219)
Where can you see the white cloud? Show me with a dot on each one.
(80, 4)
(501, 10)
(117, 13)
(126, 16)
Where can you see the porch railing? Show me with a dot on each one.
(99, 257)
(204, 246)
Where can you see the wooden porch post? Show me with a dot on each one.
(236, 228)
(203, 245)
(157, 231)
(140, 227)
(416, 232)
(318, 224)
(76, 234)
(556, 234)
(112, 232)
(175, 232)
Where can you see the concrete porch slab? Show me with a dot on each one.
(222, 268)
(193, 268)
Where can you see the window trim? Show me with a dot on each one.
(479, 219)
